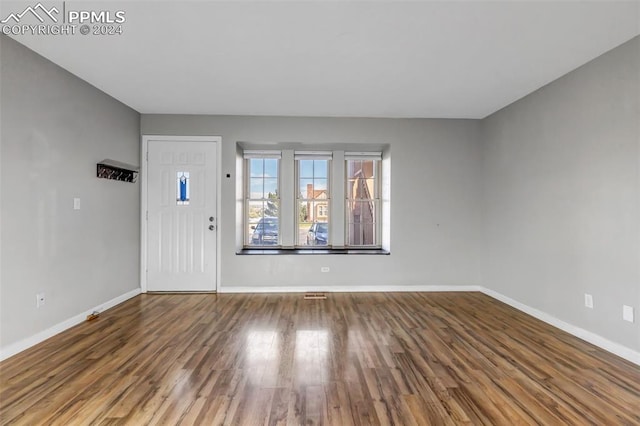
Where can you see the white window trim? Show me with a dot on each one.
(377, 199)
(312, 155)
(337, 183)
(254, 154)
(259, 153)
(359, 155)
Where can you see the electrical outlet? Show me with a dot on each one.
(588, 300)
(39, 300)
(76, 203)
(325, 269)
(627, 313)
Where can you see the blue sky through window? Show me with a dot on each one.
(314, 173)
(264, 177)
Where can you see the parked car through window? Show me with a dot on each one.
(318, 234)
(265, 232)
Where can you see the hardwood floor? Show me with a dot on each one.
(381, 358)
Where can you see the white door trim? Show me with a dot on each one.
(143, 198)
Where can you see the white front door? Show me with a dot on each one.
(182, 222)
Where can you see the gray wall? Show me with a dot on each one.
(435, 189)
(561, 196)
(539, 201)
(54, 129)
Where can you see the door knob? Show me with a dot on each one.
(211, 218)
(212, 228)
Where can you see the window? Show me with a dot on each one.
(363, 200)
(314, 199)
(262, 205)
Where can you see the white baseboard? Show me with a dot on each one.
(347, 289)
(24, 344)
(601, 342)
(595, 339)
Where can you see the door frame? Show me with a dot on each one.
(144, 147)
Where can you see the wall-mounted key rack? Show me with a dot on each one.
(116, 170)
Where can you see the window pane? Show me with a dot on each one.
(257, 188)
(257, 167)
(351, 188)
(319, 188)
(306, 188)
(313, 211)
(313, 203)
(262, 204)
(361, 216)
(313, 223)
(261, 209)
(320, 168)
(306, 168)
(254, 214)
(304, 222)
(363, 211)
(271, 168)
(361, 234)
(352, 167)
(363, 189)
(272, 207)
(263, 226)
(270, 188)
(362, 203)
(361, 168)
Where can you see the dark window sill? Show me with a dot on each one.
(260, 251)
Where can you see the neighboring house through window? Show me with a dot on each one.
(313, 194)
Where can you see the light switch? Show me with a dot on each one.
(76, 203)
(588, 300)
(627, 313)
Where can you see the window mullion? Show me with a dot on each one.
(287, 199)
(337, 205)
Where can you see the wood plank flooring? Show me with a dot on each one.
(353, 359)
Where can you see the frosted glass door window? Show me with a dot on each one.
(182, 188)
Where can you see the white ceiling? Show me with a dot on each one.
(367, 59)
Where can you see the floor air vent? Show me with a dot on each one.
(314, 296)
